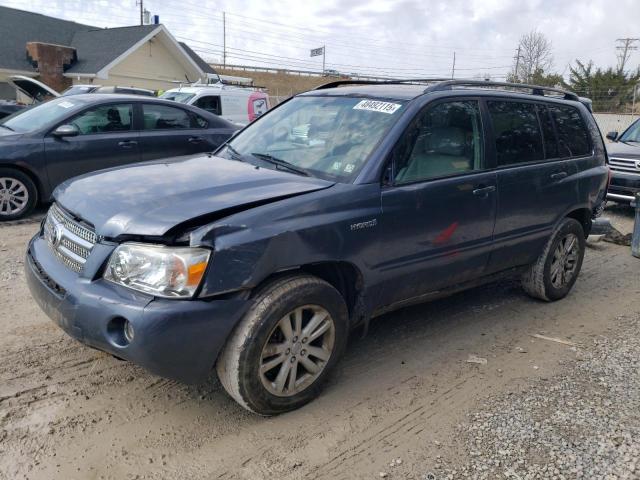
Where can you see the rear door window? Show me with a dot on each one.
(162, 117)
(573, 138)
(516, 131)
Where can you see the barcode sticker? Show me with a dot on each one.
(377, 106)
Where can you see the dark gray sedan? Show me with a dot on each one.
(42, 146)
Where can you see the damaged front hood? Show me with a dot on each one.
(151, 198)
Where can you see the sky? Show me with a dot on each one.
(403, 38)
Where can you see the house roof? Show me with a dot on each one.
(204, 66)
(19, 27)
(96, 48)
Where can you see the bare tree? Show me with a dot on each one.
(534, 57)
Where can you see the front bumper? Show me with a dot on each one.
(177, 339)
(623, 186)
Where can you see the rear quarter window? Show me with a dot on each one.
(573, 137)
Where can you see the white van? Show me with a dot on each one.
(236, 104)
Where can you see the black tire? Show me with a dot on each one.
(538, 280)
(28, 196)
(238, 366)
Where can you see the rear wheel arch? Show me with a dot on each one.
(582, 215)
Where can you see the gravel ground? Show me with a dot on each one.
(584, 423)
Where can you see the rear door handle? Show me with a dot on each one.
(127, 143)
(559, 175)
(484, 191)
(196, 139)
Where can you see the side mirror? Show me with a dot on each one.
(66, 131)
(612, 136)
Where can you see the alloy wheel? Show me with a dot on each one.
(564, 261)
(14, 196)
(297, 350)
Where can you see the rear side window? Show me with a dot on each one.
(573, 138)
(517, 132)
(161, 117)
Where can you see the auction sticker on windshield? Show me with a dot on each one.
(377, 106)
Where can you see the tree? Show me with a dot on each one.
(610, 90)
(534, 58)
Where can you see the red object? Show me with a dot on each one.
(446, 234)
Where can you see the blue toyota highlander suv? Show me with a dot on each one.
(339, 205)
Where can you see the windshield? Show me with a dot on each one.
(182, 97)
(632, 134)
(328, 137)
(34, 118)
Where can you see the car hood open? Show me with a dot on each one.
(149, 199)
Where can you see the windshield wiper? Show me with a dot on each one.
(8, 128)
(278, 162)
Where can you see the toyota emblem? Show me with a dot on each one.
(55, 234)
(638, 164)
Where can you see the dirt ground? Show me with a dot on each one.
(395, 408)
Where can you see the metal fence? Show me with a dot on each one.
(609, 122)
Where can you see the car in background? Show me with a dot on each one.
(624, 161)
(44, 145)
(8, 107)
(235, 104)
(37, 92)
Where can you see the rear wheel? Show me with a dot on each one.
(555, 271)
(18, 194)
(285, 346)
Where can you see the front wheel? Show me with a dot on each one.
(555, 271)
(284, 348)
(18, 194)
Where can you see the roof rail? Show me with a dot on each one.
(416, 81)
(534, 89)
(449, 84)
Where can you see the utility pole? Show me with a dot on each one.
(224, 40)
(625, 45)
(140, 2)
(324, 54)
(453, 67)
(515, 74)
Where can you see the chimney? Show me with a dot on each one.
(51, 61)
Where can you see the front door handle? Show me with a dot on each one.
(559, 175)
(195, 140)
(481, 191)
(127, 143)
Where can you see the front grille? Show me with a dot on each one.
(625, 164)
(70, 240)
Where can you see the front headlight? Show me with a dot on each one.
(173, 272)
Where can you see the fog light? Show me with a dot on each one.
(128, 331)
